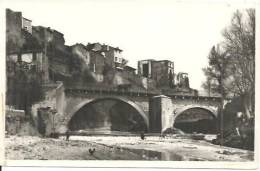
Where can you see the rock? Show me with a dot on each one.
(227, 152)
(198, 136)
(173, 130)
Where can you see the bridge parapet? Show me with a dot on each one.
(94, 91)
(125, 92)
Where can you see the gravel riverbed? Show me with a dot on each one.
(120, 148)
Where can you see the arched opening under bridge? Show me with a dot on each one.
(196, 120)
(109, 115)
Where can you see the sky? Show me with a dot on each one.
(172, 30)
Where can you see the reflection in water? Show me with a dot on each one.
(156, 155)
(163, 156)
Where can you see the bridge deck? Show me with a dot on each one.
(130, 92)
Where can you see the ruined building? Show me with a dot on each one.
(163, 73)
(182, 80)
(160, 71)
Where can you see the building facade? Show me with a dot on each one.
(182, 80)
(23, 49)
(27, 25)
(79, 50)
(113, 56)
(57, 55)
(161, 71)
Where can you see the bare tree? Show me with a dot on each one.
(240, 45)
(231, 69)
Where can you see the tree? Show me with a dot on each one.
(217, 72)
(25, 88)
(231, 69)
(240, 44)
(207, 85)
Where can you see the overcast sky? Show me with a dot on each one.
(176, 31)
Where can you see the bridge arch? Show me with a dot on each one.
(204, 115)
(131, 103)
(179, 111)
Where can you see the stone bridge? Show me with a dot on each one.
(159, 112)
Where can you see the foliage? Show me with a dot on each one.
(24, 88)
(231, 69)
(217, 71)
(240, 44)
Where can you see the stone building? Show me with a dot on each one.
(14, 119)
(129, 70)
(56, 54)
(22, 47)
(182, 80)
(113, 56)
(161, 71)
(27, 25)
(91, 61)
(79, 50)
(97, 62)
(24, 60)
(13, 31)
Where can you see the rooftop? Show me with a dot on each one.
(27, 19)
(90, 46)
(129, 67)
(156, 60)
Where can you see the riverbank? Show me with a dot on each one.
(120, 148)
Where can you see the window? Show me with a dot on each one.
(94, 67)
(14, 57)
(145, 70)
(34, 57)
(115, 59)
(27, 57)
(33, 68)
(26, 67)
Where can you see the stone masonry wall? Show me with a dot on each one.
(54, 100)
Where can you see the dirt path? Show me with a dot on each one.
(120, 148)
